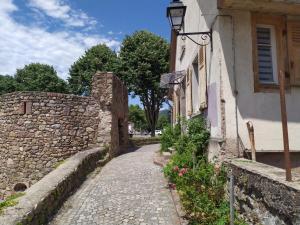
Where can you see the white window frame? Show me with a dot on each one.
(274, 53)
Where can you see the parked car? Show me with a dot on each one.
(145, 133)
(158, 132)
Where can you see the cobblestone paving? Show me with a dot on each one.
(129, 190)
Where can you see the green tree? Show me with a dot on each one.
(163, 121)
(40, 77)
(7, 84)
(98, 58)
(137, 116)
(143, 58)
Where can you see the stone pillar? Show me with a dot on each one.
(112, 96)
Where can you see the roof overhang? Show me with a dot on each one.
(273, 6)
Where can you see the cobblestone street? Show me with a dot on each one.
(130, 189)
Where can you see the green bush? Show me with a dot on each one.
(141, 141)
(200, 184)
(169, 137)
(198, 135)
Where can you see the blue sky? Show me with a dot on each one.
(57, 32)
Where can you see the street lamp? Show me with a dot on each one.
(176, 13)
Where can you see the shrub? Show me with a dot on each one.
(198, 134)
(169, 137)
(200, 184)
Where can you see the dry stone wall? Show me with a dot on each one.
(262, 196)
(38, 130)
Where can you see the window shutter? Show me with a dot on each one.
(175, 107)
(266, 57)
(202, 78)
(294, 51)
(189, 106)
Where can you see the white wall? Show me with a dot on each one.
(230, 67)
(199, 17)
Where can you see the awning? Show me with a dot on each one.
(168, 80)
(273, 6)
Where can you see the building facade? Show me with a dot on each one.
(234, 79)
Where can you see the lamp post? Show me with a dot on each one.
(176, 13)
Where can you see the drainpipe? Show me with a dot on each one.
(173, 51)
(231, 193)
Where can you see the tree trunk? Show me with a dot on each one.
(152, 102)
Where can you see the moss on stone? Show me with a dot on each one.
(56, 165)
(10, 201)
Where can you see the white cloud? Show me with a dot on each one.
(21, 44)
(58, 9)
(7, 6)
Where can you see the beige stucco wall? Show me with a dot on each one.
(263, 109)
(230, 72)
(194, 13)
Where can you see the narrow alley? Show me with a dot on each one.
(130, 189)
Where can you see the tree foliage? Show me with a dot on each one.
(39, 77)
(163, 121)
(144, 57)
(98, 58)
(7, 84)
(137, 116)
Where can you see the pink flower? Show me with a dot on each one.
(176, 168)
(180, 174)
(184, 171)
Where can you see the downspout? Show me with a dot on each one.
(173, 52)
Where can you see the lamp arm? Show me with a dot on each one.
(204, 37)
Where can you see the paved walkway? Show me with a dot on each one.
(129, 190)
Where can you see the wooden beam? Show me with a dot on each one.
(285, 128)
(268, 6)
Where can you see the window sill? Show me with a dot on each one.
(268, 88)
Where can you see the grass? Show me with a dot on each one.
(140, 141)
(145, 138)
(10, 201)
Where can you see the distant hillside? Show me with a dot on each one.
(164, 112)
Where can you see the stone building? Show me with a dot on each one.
(39, 130)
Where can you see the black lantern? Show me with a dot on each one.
(176, 13)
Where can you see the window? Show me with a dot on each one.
(268, 54)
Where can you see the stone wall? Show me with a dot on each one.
(115, 111)
(42, 200)
(38, 130)
(262, 196)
